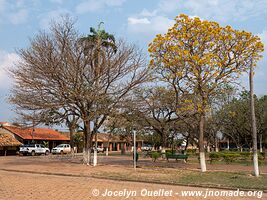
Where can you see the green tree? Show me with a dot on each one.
(204, 57)
(96, 44)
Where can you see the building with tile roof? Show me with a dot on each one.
(35, 135)
(8, 144)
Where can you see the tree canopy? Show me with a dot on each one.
(200, 57)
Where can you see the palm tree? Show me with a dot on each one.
(96, 43)
(98, 40)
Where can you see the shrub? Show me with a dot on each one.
(234, 149)
(214, 156)
(245, 155)
(169, 151)
(263, 154)
(155, 156)
(191, 151)
(230, 157)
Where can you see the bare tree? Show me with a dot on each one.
(57, 71)
(156, 109)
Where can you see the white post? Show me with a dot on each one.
(95, 157)
(96, 145)
(253, 122)
(107, 151)
(88, 156)
(134, 132)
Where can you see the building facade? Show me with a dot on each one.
(46, 136)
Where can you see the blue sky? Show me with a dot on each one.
(138, 21)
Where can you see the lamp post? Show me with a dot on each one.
(134, 157)
(253, 121)
(95, 149)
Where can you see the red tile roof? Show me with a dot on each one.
(38, 134)
(8, 140)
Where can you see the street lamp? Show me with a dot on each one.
(134, 136)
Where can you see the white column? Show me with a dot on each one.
(134, 132)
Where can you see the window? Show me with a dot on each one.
(28, 145)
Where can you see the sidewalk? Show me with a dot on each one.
(114, 168)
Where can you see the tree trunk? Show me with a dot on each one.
(71, 136)
(201, 143)
(95, 150)
(260, 143)
(228, 144)
(187, 142)
(87, 143)
(163, 140)
(208, 148)
(71, 129)
(253, 123)
(216, 145)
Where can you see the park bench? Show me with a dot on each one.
(177, 157)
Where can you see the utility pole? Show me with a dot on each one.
(95, 149)
(134, 136)
(253, 122)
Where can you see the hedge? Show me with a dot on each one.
(232, 156)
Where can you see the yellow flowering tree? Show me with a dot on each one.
(199, 58)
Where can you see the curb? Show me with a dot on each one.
(129, 180)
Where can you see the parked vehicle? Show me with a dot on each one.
(33, 149)
(61, 149)
(99, 149)
(146, 148)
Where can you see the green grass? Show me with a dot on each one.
(226, 179)
(115, 154)
(194, 159)
(238, 162)
(241, 180)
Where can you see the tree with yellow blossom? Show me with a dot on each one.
(199, 57)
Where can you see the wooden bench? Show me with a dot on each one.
(177, 157)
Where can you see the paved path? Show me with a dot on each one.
(24, 186)
(20, 185)
(74, 164)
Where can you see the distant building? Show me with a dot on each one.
(110, 142)
(8, 144)
(115, 142)
(34, 135)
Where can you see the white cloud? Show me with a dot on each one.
(7, 60)
(114, 2)
(263, 62)
(47, 18)
(14, 12)
(57, 1)
(260, 71)
(158, 24)
(2, 5)
(147, 13)
(93, 5)
(220, 10)
(88, 6)
(133, 21)
(169, 5)
(19, 17)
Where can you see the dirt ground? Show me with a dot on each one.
(74, 164)
(16, 184)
